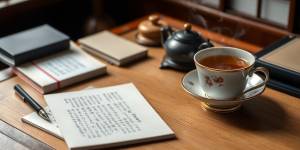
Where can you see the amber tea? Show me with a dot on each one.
(224, 62)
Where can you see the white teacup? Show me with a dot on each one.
(227, 84)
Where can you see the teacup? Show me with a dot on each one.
(223, 72)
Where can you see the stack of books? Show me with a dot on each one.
(282, 60)
(47, 59)
(65, 68)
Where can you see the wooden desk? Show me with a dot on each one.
(271, 121)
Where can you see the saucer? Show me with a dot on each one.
(190, 84)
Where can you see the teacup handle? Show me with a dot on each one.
(263, 70)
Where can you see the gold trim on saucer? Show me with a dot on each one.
(233, 108)
(211, 105)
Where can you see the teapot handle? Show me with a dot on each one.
(165, 32)
(204, 45)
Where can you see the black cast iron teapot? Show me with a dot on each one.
(181, 46)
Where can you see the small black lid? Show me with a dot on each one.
(187, 35)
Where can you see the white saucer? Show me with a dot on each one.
(190, 84)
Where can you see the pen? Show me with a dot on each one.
(28, 99)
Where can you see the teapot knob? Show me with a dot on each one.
(187, 27)
(153, 19)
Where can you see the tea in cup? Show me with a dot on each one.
(223, 72)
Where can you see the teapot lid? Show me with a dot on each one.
(187, 35)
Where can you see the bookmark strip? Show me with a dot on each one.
(48, 74)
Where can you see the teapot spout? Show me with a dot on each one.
(165, 33)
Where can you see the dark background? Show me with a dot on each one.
(78, 18)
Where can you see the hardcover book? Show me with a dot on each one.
(113, 48)
(282, 60)
(106, 117)
(31, 44)
(60, 70)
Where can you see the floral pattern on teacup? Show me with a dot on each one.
(210, 81)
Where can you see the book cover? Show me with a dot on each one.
(113, 48)
(31, 44)
(281, 58)
(60, 70)
(106, 117)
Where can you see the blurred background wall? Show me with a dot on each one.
(255, 21)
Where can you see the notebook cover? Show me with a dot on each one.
(281, 78)
(31, 44)
(113, 48)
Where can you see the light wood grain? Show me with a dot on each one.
(271, 121)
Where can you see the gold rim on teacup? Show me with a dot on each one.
(222, 70)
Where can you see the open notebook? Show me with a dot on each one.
(106, 117)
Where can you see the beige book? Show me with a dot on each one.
(286, 56)
(60, 70)
(106, 117)
(112, 48)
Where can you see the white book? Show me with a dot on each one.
(60, 70)
(50, 127)
(112, 48)
(106, 117)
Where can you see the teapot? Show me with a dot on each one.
(149, 31)
(181, 46)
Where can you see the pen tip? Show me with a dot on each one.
(44, 115)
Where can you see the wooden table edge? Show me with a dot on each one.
(222, 39)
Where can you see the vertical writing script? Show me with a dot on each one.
(102, 114)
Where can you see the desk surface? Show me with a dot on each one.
(271, 121)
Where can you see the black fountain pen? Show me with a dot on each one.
(28, 99)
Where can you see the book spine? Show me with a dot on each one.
(5, 53)
(281, 74)
(57, 81)
(281, 86)
(27, 80)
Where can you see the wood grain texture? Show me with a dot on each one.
(270, 121)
